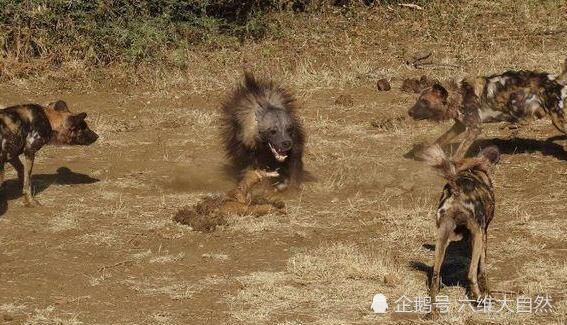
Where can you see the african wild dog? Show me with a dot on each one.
(514, 96)
(467, 203)
(261, 130)
(24, 129)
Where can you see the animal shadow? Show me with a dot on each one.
(455, 265)
(506, 146)
(12, 188)
(521, 145)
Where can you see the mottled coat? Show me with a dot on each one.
(514, 96)
(24, 129)
(467, 203)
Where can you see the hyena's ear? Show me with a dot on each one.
(491, 153)
(59, 106)
(250, 82)
(440, 91)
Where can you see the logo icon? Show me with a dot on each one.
(379, 304)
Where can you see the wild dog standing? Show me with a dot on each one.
(468, 203)
(261, 130)
(24, 129)
(514, 96)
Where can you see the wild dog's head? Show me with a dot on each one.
(431, 104)
(68, 128)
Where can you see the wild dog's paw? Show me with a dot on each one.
(483, 285)
(30, 201)
(418, 151)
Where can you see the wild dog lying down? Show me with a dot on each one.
(24, 129)
(212, 210)
(514, 96)
(467, 203)
(261, 130)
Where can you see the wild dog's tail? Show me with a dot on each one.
(436, 158)
(449, 169)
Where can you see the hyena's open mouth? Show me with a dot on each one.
(280, 155)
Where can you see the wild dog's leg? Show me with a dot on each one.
(27, 188)
(477, 248)
(444, 231)
(482, 280)
(558, 119)
(2, 174)
(17, 164)
(470, 135)
(452, 133)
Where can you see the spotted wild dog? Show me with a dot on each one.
(261, 130)
(467, 203)
(24, 129)
(514, 96)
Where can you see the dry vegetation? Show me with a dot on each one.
(103, 248)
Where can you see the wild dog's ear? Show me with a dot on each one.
(440, 91)
(491, 153)
(59, 106)
(77, 118)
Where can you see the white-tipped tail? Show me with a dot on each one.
(436, 158)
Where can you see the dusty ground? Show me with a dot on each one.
(103, 248)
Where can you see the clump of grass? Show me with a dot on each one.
(38, 35)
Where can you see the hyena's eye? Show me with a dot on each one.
(273, 131)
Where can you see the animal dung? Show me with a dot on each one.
(383, 85)
(414, 85)
(344, 100)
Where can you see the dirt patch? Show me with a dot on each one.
(204, 216)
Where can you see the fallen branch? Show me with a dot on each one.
(410, 5)
(103, 268)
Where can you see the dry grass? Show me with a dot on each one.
(364, 226)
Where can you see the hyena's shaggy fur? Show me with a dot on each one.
(261, 130)
(467, 203)
(514, 96)
(24, 129)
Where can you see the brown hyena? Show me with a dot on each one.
(514, 96)
(261, 130)
(467, 204)
(24, 129)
